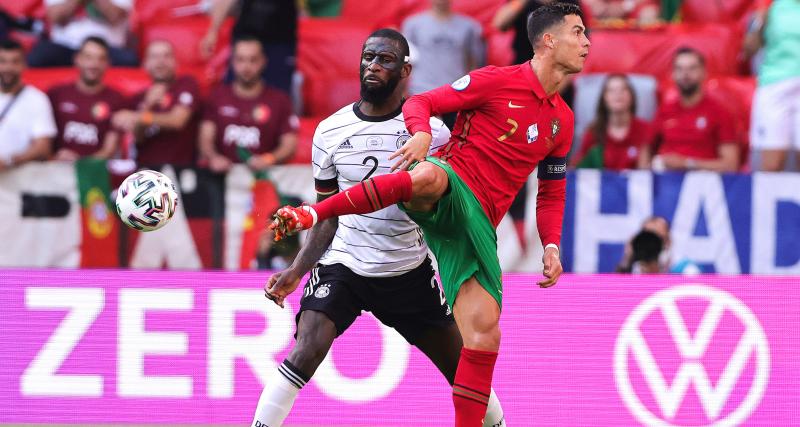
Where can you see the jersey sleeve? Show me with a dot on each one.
(552, 194)
(43, 124)
(440, 133)
(187, 94)
(467, 93)
(324, 170)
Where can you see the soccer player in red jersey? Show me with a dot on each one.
(83, 108)
(510, 120)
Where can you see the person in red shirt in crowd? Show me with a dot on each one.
(163, 118)
(247, 121)
(615, 137)
(694, 131)
(83, 108)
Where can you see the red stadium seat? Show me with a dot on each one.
(146, 12)
(328, 59)
(373, 13)
(323, 96)
(305, 137)
(650, 52)
(127, 80)
(703, 11)
(23, 7)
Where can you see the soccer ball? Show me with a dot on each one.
(146, 200)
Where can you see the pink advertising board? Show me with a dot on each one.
(194, 348)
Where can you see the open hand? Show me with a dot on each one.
(552, 268)
(414, 150)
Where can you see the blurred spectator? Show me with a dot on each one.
(83, 108)
(444, 46)
(25, 24)
(73, 21)
(642, 12)
(163, 117)
(273, 22)
(615, 137)
(322, 8)
(247, 121)
(775, 121)
(649, 251)
(693, 131)
(514, 15)
(26, 118)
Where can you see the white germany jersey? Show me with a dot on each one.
(351, 147)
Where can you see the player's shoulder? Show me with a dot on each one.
(34, 95)
(337, 120)
(61, 89)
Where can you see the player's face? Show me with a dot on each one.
(159, 61)
(92, 62)
(248, 62)
(383, 66)
(617, 95)
(571, 44)
(12, 64)
(688, 72)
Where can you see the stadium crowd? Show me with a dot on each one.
(671, 85)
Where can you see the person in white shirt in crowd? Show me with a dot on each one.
(73, 21)
(27, 127)
(444, 47)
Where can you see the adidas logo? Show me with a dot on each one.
(346, 145)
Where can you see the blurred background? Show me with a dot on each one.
(684, 162)
(704, 87)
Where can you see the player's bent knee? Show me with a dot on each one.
(428, 181)
(488, 340)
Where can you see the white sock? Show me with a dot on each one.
(278, 396)
(494, 413)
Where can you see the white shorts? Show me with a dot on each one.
(775, 117)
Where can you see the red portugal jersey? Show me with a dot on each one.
(253, 125)
(695, 132)
(506, 126)
(83, 120)
(175, 147)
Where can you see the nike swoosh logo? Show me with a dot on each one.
(511, 105)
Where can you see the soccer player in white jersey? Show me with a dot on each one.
(377, 262)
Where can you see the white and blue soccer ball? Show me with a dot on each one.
(146, 200)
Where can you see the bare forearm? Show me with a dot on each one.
(61, 13)
(113, 13)
(38, 150)
(317, 242)
(219, 11)
(286, 147)
(507, 13)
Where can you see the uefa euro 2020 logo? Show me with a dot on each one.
(725, 360)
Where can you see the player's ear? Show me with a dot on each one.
(405, 71)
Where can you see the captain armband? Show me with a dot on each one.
(553, 168)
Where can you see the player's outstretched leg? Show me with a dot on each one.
(315, 334)
(425, 184)
(478, 316)
(443, 348)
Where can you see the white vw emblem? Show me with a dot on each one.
(732, 352)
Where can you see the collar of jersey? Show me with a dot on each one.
(382, 118)
(538, 90)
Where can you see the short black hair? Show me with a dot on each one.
(96, 40)
(393, 35)
(11, 44)
(646, 246)
(548, 15)
(686, 50)
(248, 39)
